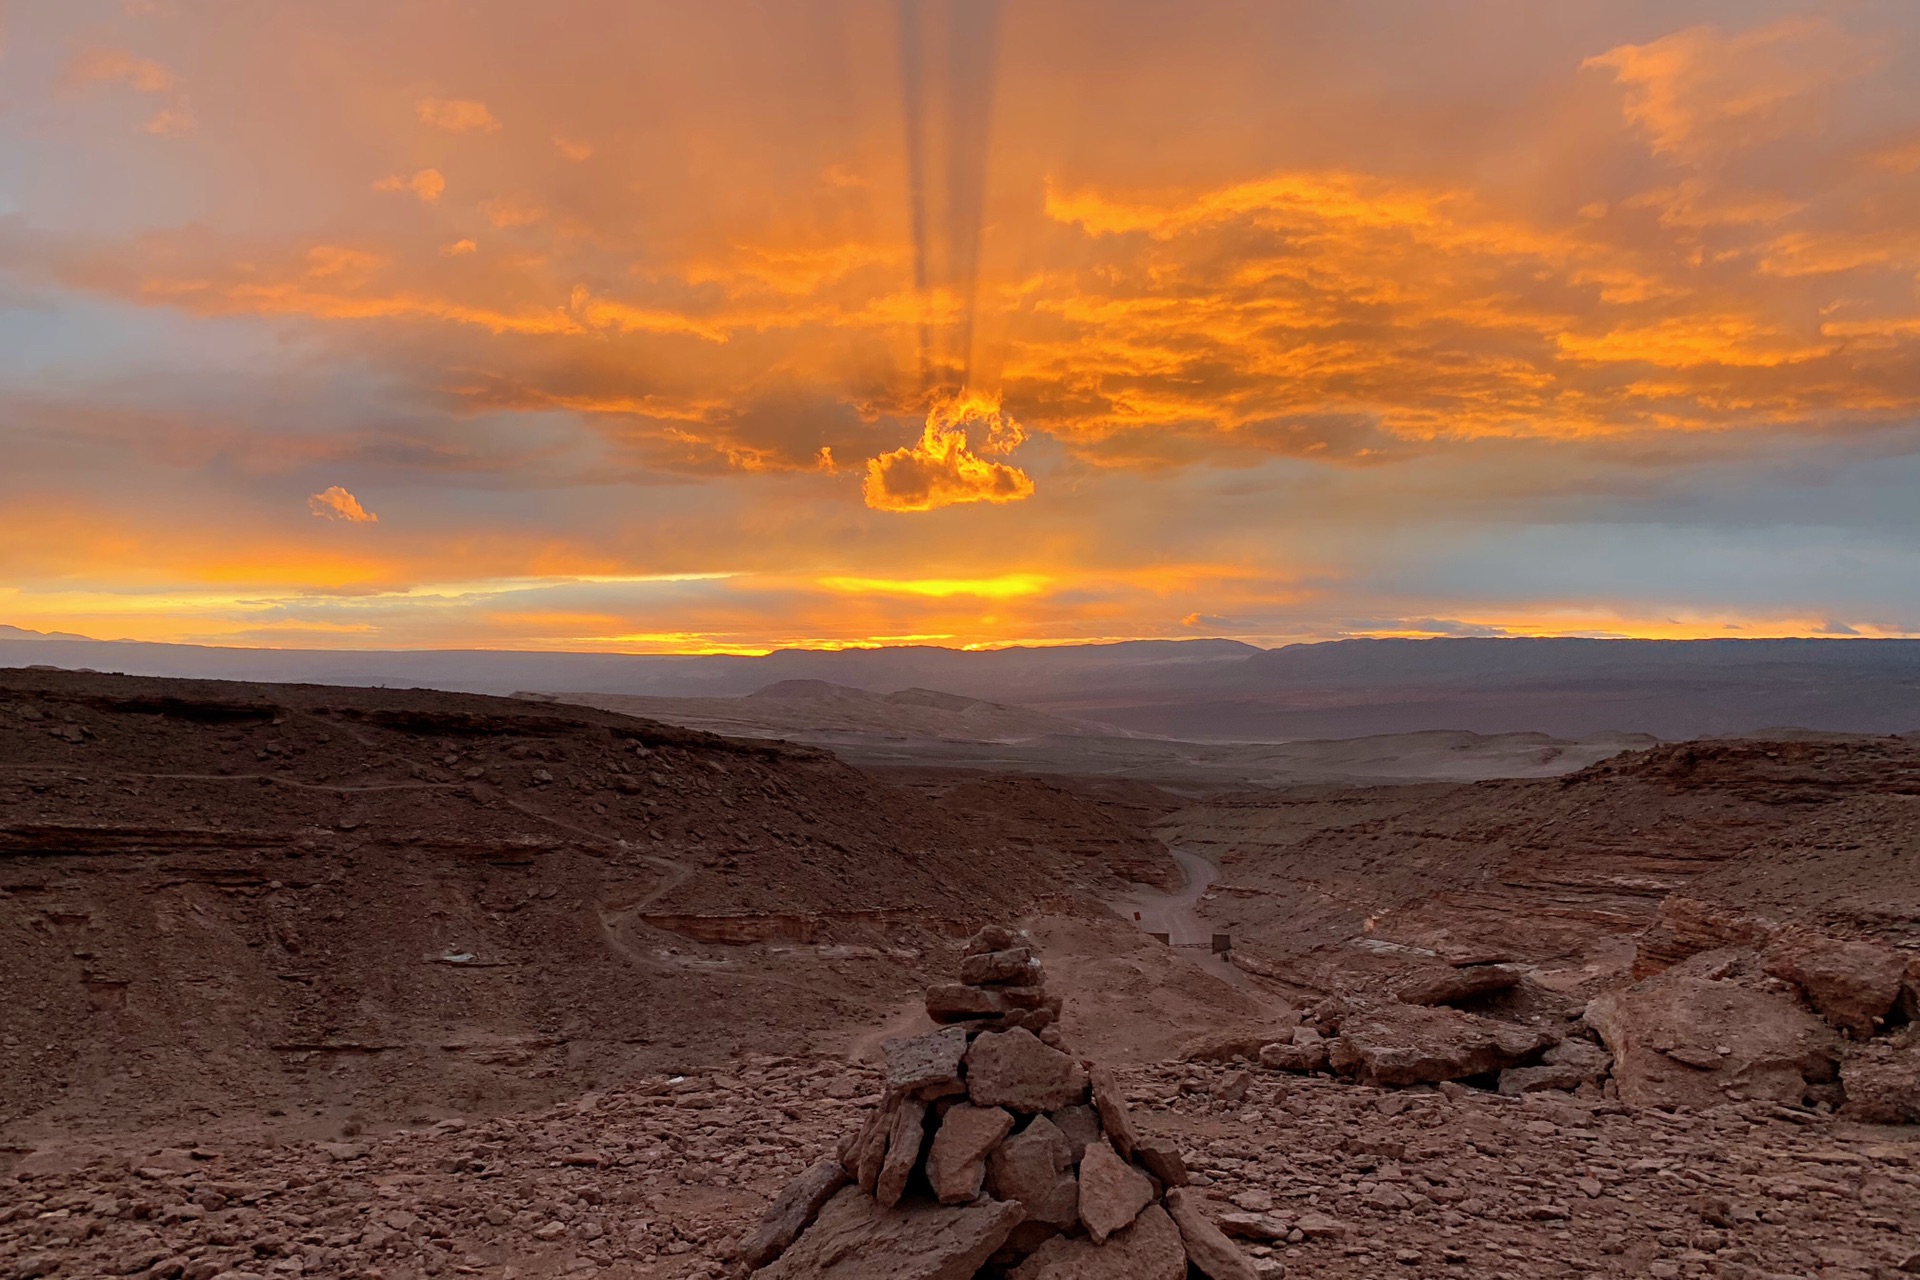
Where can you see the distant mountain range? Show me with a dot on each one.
(1202, 690)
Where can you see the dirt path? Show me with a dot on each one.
(1174, 914)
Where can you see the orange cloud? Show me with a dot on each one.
(428, 184)
(1703, 89)
(512, 211)
(117, 65)
(944, 469)
(459, 248)
(456, 115)
(143, 75)
(572, 148)
(335, 503)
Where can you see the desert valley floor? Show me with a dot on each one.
(320, 981)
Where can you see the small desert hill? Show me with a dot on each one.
(819, 710)
(339, 901)
(1323, 886)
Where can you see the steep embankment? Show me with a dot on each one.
(340, 901)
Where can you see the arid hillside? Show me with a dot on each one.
(1324, 885)
(338, 902)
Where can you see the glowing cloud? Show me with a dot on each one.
(428, 184)
(1007, 586)
(511, 211)
(572, 148)
(335, 503)
(944, 469)
(1701, 88)
(143, 75)
(118, 66)
(456, 115)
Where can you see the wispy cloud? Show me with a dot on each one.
(456, 115)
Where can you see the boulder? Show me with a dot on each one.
(1883, 1085)
(903, 1152)
(1567, 1065)
(1013, 1069)
(957, 1162)
(1302, 1054)
(1684, 1038)
(1150, 1249)
(1014, 965)
(792, 1213)
(1208, 1248)
(957, 1002)
(1225, 1046)
(1853, 985)
(1112, 1192)
(1113, 1110)
(1452, 986)
(1081, 1126)
(855, 1239)
(995, 937)
(1259, 1227)
(928, 1064)
(1161, 1158)
(1034, 1170)
(869, 1150)
(1414, 1044)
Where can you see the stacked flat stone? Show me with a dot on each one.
(994, 1153)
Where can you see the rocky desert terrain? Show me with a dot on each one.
(392, 983)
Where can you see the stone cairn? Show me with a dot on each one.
(993, 1153)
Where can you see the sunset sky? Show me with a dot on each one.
(602, 324)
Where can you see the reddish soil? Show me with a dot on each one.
(1328, 887)
(347, 905)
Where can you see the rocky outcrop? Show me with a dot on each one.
(992, 1144)
(1566, 1066)
(1703, 1033)
(1882, 1082)
(1853, 985)
(1412, 1044)
(1457, 985)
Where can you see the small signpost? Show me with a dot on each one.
(1222, 943)
(1165, 939)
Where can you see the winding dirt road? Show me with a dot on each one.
(1174, 914)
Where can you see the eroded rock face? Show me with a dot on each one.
(1883, 1085)
(1451, 986)
(855, 1239)
(1854, 985)
(1014, 1069)
(1412, 1044)
(1150, 1249)
(1686, 1038)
